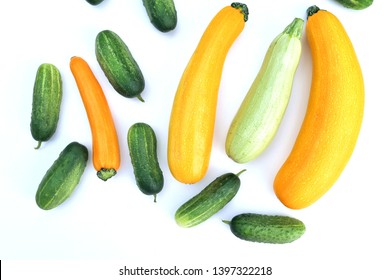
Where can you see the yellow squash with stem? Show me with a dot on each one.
(333, 118)
(192, 119)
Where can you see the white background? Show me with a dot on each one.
(112, 223)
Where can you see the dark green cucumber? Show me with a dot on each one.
(162, 14)
(142, 143)
(209, 201)
(266, 228)
(118, 64)
(47, 97)
(95, 2)
(62, 177)
(356, 4)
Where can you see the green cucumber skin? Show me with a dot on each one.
(118, 64)
(94, 2)
(62, 177)
(162, 14)
(259, 116)
(209, 201)
(142, 143)
(47, 98)
(356, 4)
(266, 228)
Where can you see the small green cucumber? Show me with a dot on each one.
(95, 2)
(47, 97)
(356, 4)
(62, 177)
(266, 228)
(260, 114)
(209, 201)
(142, 143)
(162, 14)
(119, 65)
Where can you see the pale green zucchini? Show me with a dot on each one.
(260, 114)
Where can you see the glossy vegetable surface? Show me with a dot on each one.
(105, 145)
(46, 104)
(62, 177)
(273, 229)
(119, 65)
(142, 143)
(356, 4)
(260, 114)
(209, 201)
(192, 120)
(333, 119)
(162, 14)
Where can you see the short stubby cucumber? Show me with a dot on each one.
(94, 2)
(62, 177)
(260, 114)
(266, 228)
(142, 143)
(209, 201)
(47, 97)
(162, 14)
(119, 65)
(356, 4)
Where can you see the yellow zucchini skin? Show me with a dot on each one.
(192, 120)
(260, 114)
(334, 115)
(47, 97)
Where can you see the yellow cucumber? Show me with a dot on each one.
(260, 114)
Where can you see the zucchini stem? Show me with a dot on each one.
(295, 28)
(239, 173)
(312, 10)
(243, 8)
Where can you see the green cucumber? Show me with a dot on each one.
(260, 114)
(62, 177)
(162, 14)
(142, 143)
(95, 2)
(266, 228)
(47, 97)
(356, 4)
(118, 64)
(209, 201)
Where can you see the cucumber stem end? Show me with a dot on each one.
(39, 145)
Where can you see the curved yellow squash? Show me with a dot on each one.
(191, 126)
(333, 118)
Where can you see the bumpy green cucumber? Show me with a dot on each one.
(118, 64)
(95, 2)
(356, 4)
(62, 177)
(260, 114)
(142, 143)
(47, 97)
(162, 14)
(209, 201)
(266, 228)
